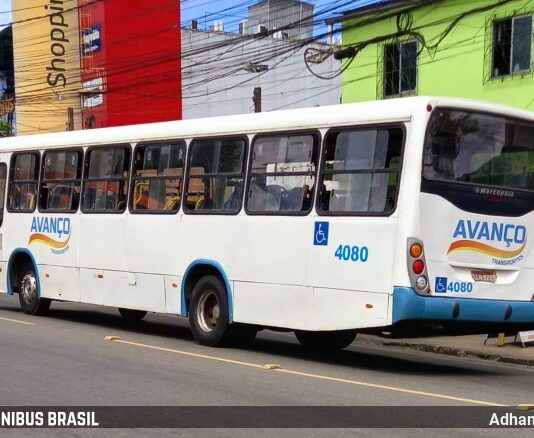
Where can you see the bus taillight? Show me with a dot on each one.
(417, 266)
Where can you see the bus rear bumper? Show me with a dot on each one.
(408, 305)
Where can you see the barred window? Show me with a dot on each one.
(282, 175)
(157, 177)
(23, 182)
(512, 43)
(400, 68)
(106, 179)
(61, 181)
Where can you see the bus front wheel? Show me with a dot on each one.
(208, 312)
(325, 341)
(29, 299)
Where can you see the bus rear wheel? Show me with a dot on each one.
(29, 299)
(325, 341)
(132, 316)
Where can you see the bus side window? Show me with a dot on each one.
(282, 176)
(106, 176)
(61, 181)
(361, 171)
(216, 176)
(23, 182)
(157, 177)
(3, 177)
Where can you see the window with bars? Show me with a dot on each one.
(512, 45)
(400, 68)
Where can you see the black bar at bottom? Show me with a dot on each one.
(264, 417)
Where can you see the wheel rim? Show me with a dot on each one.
(208, 311)
(29, 288)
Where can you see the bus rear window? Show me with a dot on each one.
(480, 149)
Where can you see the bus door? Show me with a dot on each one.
(476, 205)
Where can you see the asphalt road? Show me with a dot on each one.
(63, 359)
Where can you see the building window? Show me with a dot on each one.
(157, 178)
(400, 68)
(61, 181)
(106, 180)
(216, 174)
(282, 174)
(23, 182)
(512, 42)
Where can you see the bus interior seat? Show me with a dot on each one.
(292, 199)
(54, 202)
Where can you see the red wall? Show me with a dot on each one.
(140, 59)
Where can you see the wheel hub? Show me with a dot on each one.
(29, 288)
(208, 311)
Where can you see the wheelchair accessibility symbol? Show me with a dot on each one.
(441, 285)
(320, 235)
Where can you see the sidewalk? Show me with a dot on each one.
(462, 346)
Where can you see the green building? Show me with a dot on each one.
(480, 49)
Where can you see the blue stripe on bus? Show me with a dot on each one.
(408, 305)
(10, 267)
(219, 268)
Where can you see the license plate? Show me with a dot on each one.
(484, 275)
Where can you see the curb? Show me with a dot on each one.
(449, 351)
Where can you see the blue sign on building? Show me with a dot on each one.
(92, 40)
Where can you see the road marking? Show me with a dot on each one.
(392, 388)
(314, 376)
(187, 353)
(17, 321)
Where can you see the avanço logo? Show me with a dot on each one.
(51, 231)
(505, 242)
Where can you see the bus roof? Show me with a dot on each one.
(400, 109)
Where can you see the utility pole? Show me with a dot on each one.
(257, 99)
(70, 119)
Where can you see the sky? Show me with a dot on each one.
(231, 12)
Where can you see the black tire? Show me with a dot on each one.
(132, 316)
(325, 341)
(29, 299)
(208, 312)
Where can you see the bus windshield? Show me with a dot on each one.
(480, 149)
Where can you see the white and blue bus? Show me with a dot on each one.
(322, 220)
